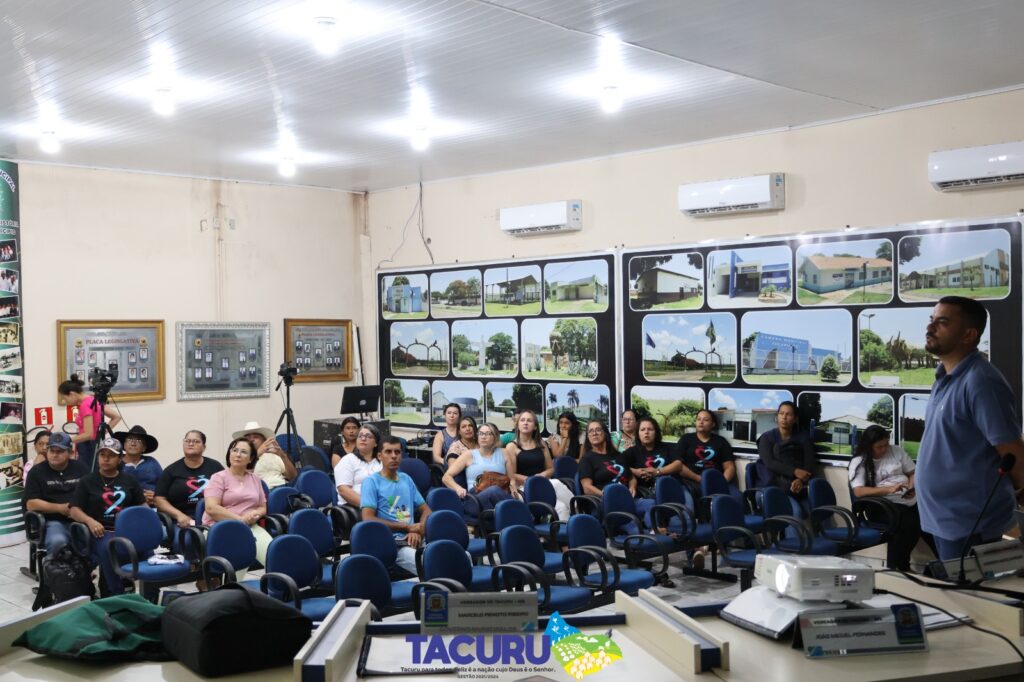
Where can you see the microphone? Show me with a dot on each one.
(1005, 466)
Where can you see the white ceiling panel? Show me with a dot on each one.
(509, 84)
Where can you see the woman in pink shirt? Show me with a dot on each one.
(237, 494)
(72, 394)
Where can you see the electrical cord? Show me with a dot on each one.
(423, 237)
(957, 619)
(417, 210)
(954, 586)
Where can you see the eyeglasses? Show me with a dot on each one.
(365, 435)
(239, 451)
(595, 430)
(192, 441)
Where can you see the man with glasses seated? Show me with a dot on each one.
(183, 483)
(49, 488)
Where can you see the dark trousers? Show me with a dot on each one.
(903, 541)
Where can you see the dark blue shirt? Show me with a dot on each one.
(970, 411)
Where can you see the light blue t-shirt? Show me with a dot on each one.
(970, 411)
(480, 464)
(392, 500)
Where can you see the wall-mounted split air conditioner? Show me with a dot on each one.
(738, 195)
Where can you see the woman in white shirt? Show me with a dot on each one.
(884, 470)
(356, 466)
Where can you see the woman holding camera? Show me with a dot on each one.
(72, 394)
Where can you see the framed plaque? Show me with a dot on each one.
(320, 349)
(136, 346)
(218, 360)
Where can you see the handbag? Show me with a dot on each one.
(492, 478)
(121, 628)
(233, 630)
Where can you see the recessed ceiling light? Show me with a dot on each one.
(420, 139)
(163, 101)
(325, 35)
(286, 167)
(611, 99)
(49, 142)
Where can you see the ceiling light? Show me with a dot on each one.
(286, 167)
(706, 241)
(325, 35)
(163, 101)
(161, 61)
(748, 237)
(420, 139)
(48, 142)
(611, 99)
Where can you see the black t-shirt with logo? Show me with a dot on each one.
(604, 469)
(699, 456)
(103, 499)
(183, 487)
(640, 457)
(43, 483)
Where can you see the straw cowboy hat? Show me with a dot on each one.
(254, 427)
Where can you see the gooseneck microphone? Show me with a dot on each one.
(1005, 466)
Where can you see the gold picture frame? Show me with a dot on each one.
(320, 349)
(136, 345)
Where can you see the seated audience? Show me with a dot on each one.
(528, 451)
(50, 486)
(650, 458)
(706, 450)
(236, 493)
(137, 462)
(883, 470)
(391, 497)
(356, 466)
(602, 464)
(625, 437)
(788, 452)
(466, 442)
(273, 465)
(565, 442)
(98, 499)
(510, 436)
(40, 443)
(345, 442)
(183, 483)
(444, 438)
(478, 462)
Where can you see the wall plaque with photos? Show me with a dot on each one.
(320, 349)
(137, 346)
(218, 360)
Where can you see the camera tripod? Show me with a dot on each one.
(288, 417)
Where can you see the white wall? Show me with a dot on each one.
(112, 245)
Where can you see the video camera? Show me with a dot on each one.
(101, 382)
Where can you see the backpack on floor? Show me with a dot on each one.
(63, 576)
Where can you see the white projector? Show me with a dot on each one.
(815, 578)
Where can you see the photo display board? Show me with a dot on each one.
(539, 334)
(12, 373)
(834, 322)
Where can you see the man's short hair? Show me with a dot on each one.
(391, 440)
(973, 313)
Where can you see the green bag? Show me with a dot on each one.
(121, 628)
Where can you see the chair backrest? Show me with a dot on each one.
(200, 510)
(539, 489)
(447, 525)
(758, 475)
(233, 541)
(775, 502)
(318, 486)
(725, 511)
(584, 529)
(418, 472)
(277, 500)
(362, 576)
(712, 482)
(565, 467)
(293, 447)
(294, 556)
(312, 457)
(315, 527)
(820, 493)
(508, 513)
(444, 499)
(375, 539)
(668, 490)
(616, 497)
(520, 543)
(142, 526)
(447, 559)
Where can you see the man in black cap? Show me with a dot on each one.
(49, 487)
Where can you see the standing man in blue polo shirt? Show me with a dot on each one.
(392, 498)
(969, 424)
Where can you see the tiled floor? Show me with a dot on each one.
(15, 589)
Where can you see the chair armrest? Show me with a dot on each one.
(625, 517)
(540, 579)
(662, 513)
(752, 496)
(419, 560)
(290, 587)
(634, 554)
(115, 560)
(169, 527)
(590, 504)
(192, 542)
(892, 517)
(578, 567)
(777, 522)
(211, 562)
(471, 507)
(35, 527)
(435, 585)
(486, 520)
(569, 483)
(80, 539)
(272, 525)
(827, 511)
(512, 578)
(541, 510)
(726, 537)
(492, 547)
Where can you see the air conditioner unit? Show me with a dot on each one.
(738, 195)
(556, 216)
(977, 167)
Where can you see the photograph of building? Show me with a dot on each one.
(469, 395)
(912, 412)
(844, 272)
(512, 291)
(485, 347)
(974, 264)
(560, 348)
(576, 287)
(797, 347)
(455, 293)
(419, 348)
(666, 282)
(502, 399)
(744, 414)
(835, 419)
(407, 401)
(690, 347)
(748, 278)
(586, 401)
(405, 297)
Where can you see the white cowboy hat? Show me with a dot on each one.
(254, 427)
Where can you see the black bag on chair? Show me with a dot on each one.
(233, 630)
(63, 576)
